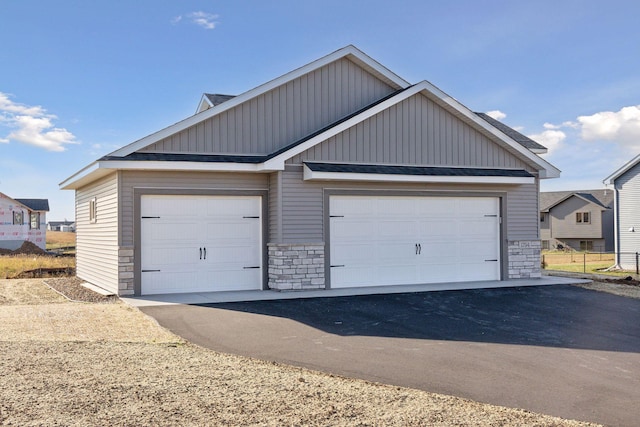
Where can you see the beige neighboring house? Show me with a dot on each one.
(337, 174)
(23, 220)
(577, 220)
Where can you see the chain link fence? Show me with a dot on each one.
(591, 262)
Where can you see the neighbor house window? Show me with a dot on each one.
(545, 245)
(18, 218)
(586, 245)
(93, 210)
(542, 217)
(583, 218)
(34, 221)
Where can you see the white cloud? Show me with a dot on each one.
(496, 114)
(203, 19)
(32, 125)
(550, 138)
(622, 127)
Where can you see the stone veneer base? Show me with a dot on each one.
(296, 266)
(524, 259)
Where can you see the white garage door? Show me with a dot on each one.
(200, 243)
(407, 240)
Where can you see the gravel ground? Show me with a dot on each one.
(104, 363)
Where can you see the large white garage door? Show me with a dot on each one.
(407, 240)
(200, 243)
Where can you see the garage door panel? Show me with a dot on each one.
(455, 236)
(182, 228)
(171, 231)
(399, 274)
(394, 229)
(347, 228)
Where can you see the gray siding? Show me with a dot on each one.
(178, 181)
(283, 115)
(97, 243)
(302, 205)
(416, 131)
(275, 207)
(628, 186)
(563, 220)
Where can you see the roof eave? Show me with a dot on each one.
(621, 171)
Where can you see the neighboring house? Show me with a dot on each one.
(337, 174)
(579, 220)
(23, 220)
(68, 226)
(626, 189)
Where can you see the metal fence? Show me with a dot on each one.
(591, 262)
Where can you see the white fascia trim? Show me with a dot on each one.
(546, 169)
(204, 104)
(631, 163)
(101, 168)
(67, 184)
(266, 87)
(310, 175)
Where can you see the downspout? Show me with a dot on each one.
(616, 230)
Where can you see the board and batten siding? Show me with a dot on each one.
(283, 115)
(628, 193)
(97, 242)
(302, 204)
(178, 181)
(416, 131)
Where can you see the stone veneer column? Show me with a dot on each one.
(125, 270)
(524, 259)
(296, 266)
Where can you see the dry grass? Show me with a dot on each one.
(83, 364)
(61, 239)
(12, 265)
(580, 262)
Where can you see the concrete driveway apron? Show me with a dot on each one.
(559, 350)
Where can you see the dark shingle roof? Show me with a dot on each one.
(521, 139)
(35, 204)
(186, 157)
(216, 98)
(603, 198)
(414, 170)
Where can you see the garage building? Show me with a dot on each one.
(337, 174)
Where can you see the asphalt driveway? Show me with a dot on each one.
(559, 350)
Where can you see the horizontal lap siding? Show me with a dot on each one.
(302, 205)
(563, 217)
(417, 132)
(628, 186)
(97, 243)
(283, 115)
(178, 181)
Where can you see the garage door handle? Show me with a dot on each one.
(418, 248)
(200, 253)
(205, 253)
(490, 260)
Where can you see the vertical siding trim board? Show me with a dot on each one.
(501, 196)
(137, 196)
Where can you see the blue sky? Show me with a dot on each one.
(79, 79)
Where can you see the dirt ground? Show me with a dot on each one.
(104, 363)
